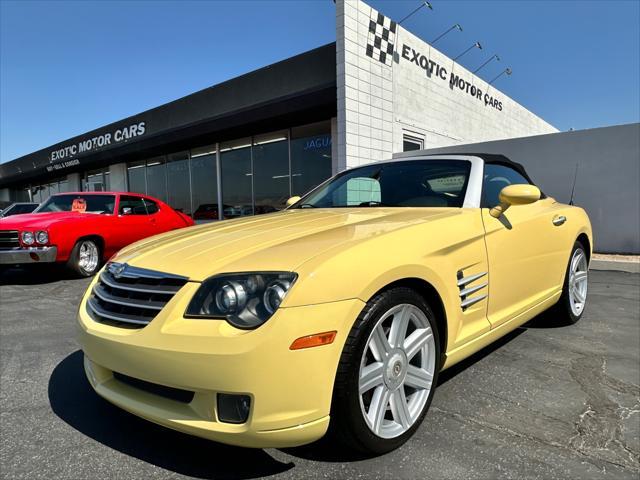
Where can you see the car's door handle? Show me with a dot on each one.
(559, 220)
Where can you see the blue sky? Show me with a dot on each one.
(67, 67)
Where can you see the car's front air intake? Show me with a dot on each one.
(131, 297)
(9, 239)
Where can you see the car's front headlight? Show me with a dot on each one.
(245, 300)
(42, 237)
(28, 238)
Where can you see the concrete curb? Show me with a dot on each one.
(618, 266)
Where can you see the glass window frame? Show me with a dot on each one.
(414, 139)
(484, 202)
(203, 151)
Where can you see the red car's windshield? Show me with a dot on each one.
(101, 204)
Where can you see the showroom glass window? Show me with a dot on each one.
(178, 191)
(496, 177)
(270, 172)
(96, 181)
(157, 178)
(204, 184)
(235, 167)
(136, 172)
(310, 156)
(36, 194)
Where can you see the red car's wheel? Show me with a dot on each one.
(85, 258)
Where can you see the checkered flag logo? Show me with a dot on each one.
(382, 35)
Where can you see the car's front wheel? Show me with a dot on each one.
(387, 372)
(85, 258)
(573, 300)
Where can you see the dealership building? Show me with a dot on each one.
(253, 141)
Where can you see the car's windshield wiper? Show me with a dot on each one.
(372, 203)
(306, 205)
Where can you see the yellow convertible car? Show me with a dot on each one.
(337, 313)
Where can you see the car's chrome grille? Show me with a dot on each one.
(9, 239)
(131, 297)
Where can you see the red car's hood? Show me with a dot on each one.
(42, 220)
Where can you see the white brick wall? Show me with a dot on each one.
(378, 103)
(365, 90)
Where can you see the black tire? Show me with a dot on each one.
(562, 312)
(348, 425)
(74, 265)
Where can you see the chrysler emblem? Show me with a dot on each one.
(118, 269)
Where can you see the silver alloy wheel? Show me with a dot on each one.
(578, 281)
(88, 256)
(396, 370)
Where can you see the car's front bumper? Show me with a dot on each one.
(15, 256)
(290, 390)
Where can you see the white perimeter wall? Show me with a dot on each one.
(378, 103)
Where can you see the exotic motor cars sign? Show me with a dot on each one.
(64, 157)
(456, 82)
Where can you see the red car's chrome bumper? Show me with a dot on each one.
(15, 256)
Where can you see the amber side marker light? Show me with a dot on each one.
(315, 340)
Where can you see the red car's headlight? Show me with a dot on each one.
(42, 237)
(28, 238)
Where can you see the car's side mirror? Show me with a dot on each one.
(520, 194)
(293, 200)
(127, 211)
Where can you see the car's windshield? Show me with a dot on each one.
(79, 203)
(415, 183)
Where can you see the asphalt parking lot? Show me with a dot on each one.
(546, 402)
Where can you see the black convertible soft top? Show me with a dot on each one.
(492, 158)
(499, 160)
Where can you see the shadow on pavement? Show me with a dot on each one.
(74, 401)
(33, 274)
(546, 319)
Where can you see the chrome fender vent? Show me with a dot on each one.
(466, 289)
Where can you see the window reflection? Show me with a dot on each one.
(96, 181)
(178, 196)
(270, 172)
(310, 156)
(39, 193)
(235, 166)
(136, 176)
(204, 184)
(258, 174)
(157, 178)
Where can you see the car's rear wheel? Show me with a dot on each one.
(573, 300)
(387, 373)
(85, 258)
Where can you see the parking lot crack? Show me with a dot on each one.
(600, 428)
(597, 462)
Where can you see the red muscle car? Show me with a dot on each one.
(84, 229)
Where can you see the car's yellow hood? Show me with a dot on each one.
(275, 242)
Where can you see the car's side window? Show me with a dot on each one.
(496, 177)
(135, 206)
(152, 207)
(361, 190)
